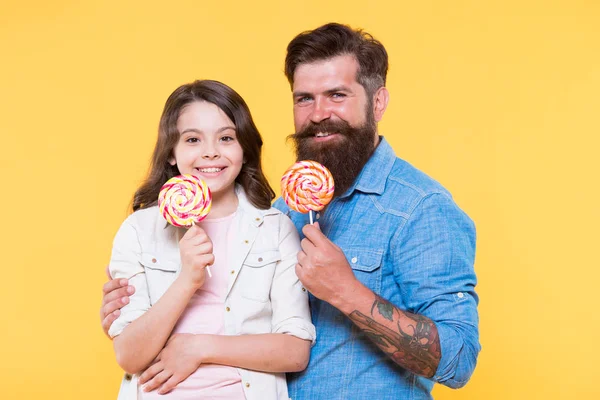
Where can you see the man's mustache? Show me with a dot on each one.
(312, 129)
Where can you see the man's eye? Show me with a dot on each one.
(338, 95)
(302, 99)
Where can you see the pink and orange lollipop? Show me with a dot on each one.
(184, 201)
(307, 186)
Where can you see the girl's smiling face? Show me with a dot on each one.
(208, 147)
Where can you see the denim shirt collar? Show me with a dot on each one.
(373, 176)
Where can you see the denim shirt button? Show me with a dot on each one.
(460, 295)
(354, 260)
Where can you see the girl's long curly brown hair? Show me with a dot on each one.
(251, 177)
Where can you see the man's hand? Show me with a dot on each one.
(115, 296)
(322, 267)
(178, 360)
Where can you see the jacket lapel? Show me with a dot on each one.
(241, 240)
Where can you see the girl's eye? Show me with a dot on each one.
(192, 140)
(227, 138)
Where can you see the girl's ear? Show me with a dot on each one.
(172, 161)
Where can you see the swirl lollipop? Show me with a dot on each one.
(307, 186)
(185, 200)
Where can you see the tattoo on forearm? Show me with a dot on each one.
(411, 340)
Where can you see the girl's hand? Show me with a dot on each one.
(196, 250)
(180, 358)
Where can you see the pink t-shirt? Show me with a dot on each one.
(204, 314)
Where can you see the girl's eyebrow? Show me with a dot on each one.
(225, 128)
(194, 130)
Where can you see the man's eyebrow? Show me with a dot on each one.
(301, 94)
(338, 89)
(327, 92)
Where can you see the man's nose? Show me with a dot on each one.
(320, 111)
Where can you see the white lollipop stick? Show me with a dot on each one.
(310, 216)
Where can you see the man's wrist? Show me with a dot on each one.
(346, 300)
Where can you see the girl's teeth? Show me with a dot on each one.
(210, 169)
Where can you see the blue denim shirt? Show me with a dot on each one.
(407, 241)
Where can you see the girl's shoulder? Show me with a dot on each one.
(276, 219)
(144, 218)
(146, 227)
(272, 211)
(271, 215)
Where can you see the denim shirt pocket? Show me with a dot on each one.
(160, 274)
(257, 273)
(366, 263)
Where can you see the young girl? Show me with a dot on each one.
(234, 335)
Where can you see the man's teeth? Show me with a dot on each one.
(322, 134)
(209, 169)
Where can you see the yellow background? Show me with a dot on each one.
(498, 100)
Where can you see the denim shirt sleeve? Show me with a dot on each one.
(434, 253)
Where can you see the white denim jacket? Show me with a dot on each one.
(264, 294)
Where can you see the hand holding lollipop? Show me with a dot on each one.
(185, 200)
(307, 186)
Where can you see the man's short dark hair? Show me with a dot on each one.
(332, 40)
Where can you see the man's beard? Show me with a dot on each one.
(344, 155)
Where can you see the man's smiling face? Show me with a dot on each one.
(334, 119)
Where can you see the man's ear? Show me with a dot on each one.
(380, 102)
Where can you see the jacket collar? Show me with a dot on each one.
(373, 176)
(252, 214)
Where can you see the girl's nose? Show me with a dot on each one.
(210, 153)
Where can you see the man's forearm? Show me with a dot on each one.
(411, 340)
